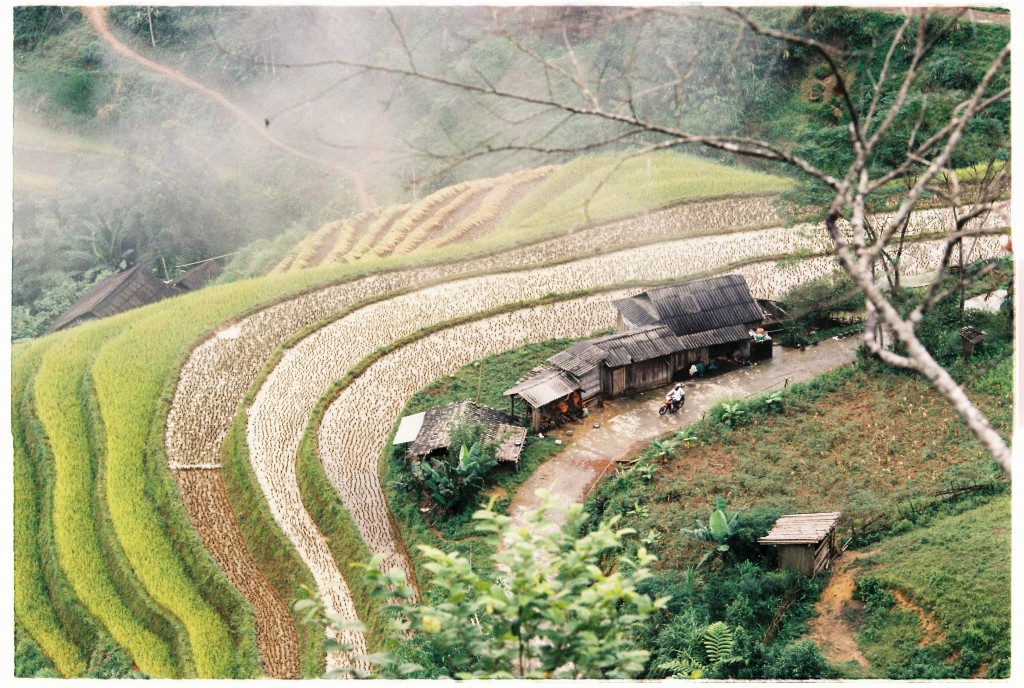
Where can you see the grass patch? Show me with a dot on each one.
(955, 566)
(33, 607)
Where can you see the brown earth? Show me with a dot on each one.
(931, 633)
(829, 630)
(208, 506)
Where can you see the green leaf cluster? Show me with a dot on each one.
(553, 612)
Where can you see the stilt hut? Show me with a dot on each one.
(806, 542)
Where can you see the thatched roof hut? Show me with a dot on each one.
(430, 431)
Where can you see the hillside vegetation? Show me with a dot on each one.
(112, 575)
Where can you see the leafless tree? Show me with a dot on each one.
(608, 92)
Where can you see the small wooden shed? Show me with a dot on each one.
(547, 391)
(806, 542)
(970, 338)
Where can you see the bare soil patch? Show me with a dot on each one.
(829, 629)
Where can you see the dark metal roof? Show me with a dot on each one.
(580, 358)
(543, 385)
(641, 344)
(435, 433)
(637, 310)
(801, 529)
(115, 294)
(635, 346)
(972, 335)
(697, 306)
(198, 277)
(723, 335)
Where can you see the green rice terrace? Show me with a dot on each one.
(198, 480)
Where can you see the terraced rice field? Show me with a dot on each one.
(284, 359)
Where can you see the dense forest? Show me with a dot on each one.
(116, 164)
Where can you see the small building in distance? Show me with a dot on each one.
(970, 338)
(661, 333)
(198, 277)
(429, 432)
(806, 542)
(118, 293)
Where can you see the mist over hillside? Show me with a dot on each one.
(187, 133)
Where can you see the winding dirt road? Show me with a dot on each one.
(97, 16)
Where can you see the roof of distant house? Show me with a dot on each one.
(698, 306)
(198, 277)
(124, 291)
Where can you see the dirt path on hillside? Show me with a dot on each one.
(97, 16)
(829, 630)
(628, 425)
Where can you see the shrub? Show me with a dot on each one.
(798, 662)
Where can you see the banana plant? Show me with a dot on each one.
(718, 530)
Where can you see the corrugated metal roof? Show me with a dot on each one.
(435, 431)
(801, 529)
(637, 310)
(638, 345)
(580, 358)
(696, 306)
(723, 335)
(543, 385)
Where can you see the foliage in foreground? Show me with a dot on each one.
(556, 611)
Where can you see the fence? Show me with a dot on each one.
(910, 507)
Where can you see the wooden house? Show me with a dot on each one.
(550, 394)
(118, 293)
(806, 542)
(430, 431)
(198, 277)
(719, 308)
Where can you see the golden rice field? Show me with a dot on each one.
(163, 493)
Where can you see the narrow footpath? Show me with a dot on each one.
(626, 426)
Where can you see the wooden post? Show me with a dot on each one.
(536, 419)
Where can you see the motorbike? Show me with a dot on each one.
(671, 405)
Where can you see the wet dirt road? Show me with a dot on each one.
(627, 425)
